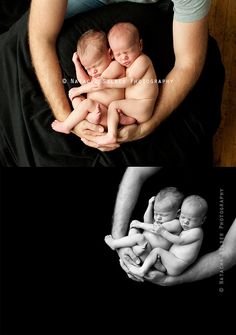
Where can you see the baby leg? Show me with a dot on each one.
(124, 119)
(148, 263)
(77, 100)
(113, 118)
(99, 115)
(174, 265)
(126, 241)
(75, 116)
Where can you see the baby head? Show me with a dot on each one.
(94, 52)
(167, 204)
(193, 212)
(125, 43)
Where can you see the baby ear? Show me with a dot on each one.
(110, 53)
(178, 212)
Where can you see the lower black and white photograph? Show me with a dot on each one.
(139, 250)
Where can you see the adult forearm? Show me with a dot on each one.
(126, 199)
(127, 196)
(207, 266)
(49, 74)
(178, 84)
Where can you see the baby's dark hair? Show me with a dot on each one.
(93, 37)
(171, 195)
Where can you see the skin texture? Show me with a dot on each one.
(206, 266)
(190, 44)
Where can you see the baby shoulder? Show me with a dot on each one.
(197, 233)
(117, 66)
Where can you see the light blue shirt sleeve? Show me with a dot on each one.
(190, 10)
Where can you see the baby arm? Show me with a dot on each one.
(86, 88)
(113, 71)
(81, 74)
(139, 68)
(189, 236)
(148, 215)
(142, 225)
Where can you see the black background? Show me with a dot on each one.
(59, 277)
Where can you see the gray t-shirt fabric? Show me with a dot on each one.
(184, 10)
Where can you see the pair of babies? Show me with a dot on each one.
(120, 91)
(173, 241)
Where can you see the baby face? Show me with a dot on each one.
(191, 216)
(124, 50)
(95, 63)
(163, 213)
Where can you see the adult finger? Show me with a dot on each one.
(130, 275)
(96, 146)
(138, 279)
(131, 257)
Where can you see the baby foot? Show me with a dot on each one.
(60, 127)
(139, 249)
(95, 117)
(124, 119)
(109, 241)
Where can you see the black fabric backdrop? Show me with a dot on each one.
(59, 277)
(26, 137)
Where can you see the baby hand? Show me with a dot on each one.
(151, 200)
(158, 228)
(98, 83)
(75, 58)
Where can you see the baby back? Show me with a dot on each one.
(145, 87)
(187, 252)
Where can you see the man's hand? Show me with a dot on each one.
(129, 133)
(127, 255)
(160, 278)
(125, 266)
(88, 133)
(85, 129)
